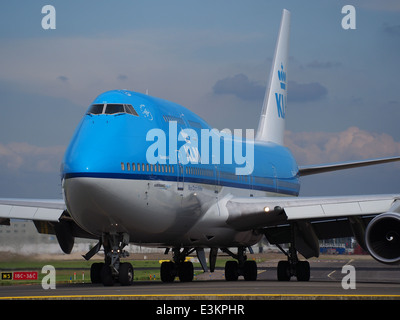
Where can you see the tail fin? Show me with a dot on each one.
(272, 121)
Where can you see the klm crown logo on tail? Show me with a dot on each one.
(281, 98)
(282, 77)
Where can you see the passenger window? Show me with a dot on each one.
(138, 167)
(122, 166)
(128, 166)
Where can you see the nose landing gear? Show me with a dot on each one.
(112, 270)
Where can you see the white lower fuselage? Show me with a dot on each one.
(156, 213)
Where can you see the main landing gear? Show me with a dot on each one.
(293, 267)
(113, 270)
(178, 267)
(241, 267)
(184, 269)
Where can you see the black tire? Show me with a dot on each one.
(125, 274)
(231, 271)
(250, 270)
(303, 271)
(186, 272)
(283, 271)
(167, 271)
(106, 276)
(95, 272)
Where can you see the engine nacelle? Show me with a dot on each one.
(64, 236)
(383, 238)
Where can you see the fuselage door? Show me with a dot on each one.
(180, 177)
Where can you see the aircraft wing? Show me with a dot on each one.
(315, 218)
(31, 209)
(321, 168)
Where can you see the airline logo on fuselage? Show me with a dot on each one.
(281, 97)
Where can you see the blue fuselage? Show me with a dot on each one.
(112, 143)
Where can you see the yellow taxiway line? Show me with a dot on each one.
(212, 296)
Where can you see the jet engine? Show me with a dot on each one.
(63, 231)
(383, 237)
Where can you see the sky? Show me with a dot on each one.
(213, 57)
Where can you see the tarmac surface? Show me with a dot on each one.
(372, 281)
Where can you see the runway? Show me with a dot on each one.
(372, 281)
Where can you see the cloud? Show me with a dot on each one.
(62, 78)
(29, 158)
(392, 30)
(122, 77)
(306, 92)
(241, 87)
(351, 144)
(323, 64)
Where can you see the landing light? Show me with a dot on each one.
(266, 209)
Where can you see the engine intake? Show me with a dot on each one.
(383, 238)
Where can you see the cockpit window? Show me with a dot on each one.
(129, 109)
(96, 109)
(112, 108)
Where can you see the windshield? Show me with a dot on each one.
(96, 109)
(112, 108)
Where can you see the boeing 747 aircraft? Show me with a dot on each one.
(144, 170)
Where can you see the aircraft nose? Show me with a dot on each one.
(92, 149)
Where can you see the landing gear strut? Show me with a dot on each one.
(293, 266)
(241, 267)
(112, 270)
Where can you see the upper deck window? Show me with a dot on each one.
(112, 108)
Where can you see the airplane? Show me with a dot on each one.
(135, 171)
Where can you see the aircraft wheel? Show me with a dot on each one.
(95, 272)
(250, 270)
(167, 271)
(106, 276)
(186, 272)
(303, 271)
(231, 271)
(125, 274)
(283, 271)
